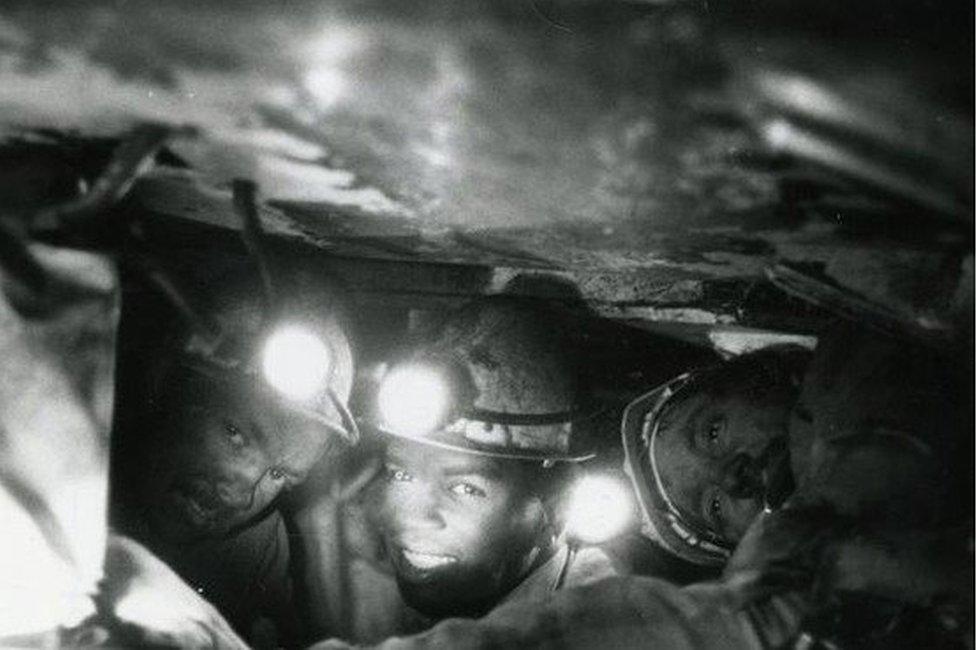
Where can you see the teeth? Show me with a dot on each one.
(427, 560)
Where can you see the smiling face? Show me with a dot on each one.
(217, 463)
(707, 451)
(461, 529)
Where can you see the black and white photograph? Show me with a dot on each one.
(487, 324)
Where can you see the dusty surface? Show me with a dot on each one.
(632, 148)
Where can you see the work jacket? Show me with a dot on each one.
(562, 571)
(624, 613)
(872, 442)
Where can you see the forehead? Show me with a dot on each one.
(682, 471)
(680, 409)
(266, 425)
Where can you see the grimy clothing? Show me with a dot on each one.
(246, 576)
(877, 442)
(877, 429)
(563, 571)
(869, 441)
(623, 613)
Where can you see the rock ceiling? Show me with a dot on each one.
(673, 162)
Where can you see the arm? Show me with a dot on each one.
(141, 591)
(625, 612)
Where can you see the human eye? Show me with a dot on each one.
(233, 433)
(711, 436)
(464, 489)
(397, 475)
(282, 474)
(283, 477)
(713, 509)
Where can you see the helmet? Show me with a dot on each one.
(662, 521)
(496, 381)
(297, 354)
(276, 335)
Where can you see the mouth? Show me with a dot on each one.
(196, 503)
(426, 561)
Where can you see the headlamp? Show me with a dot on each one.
(600, 508)
(433, 400)
(414, 399)
(295, 362)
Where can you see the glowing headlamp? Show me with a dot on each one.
(298, 365)
(414, 399)
(295, 362)
(600, 508)
(434, 402)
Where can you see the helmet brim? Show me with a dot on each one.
(323, 412)
(444, 439)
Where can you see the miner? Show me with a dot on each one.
(209, 445)
(479, 462)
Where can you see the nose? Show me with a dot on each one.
(420, 510)
(742, 477)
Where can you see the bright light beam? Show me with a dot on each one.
(295, 362)
(600, 508)
(413, 400)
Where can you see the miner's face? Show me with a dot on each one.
(217, 465)
(460, 528)
(707, 453)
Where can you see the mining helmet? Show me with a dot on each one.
(300, 357)
(278, 337)
(496, 381)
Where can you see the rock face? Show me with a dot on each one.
(659, 157)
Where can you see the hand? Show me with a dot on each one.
(795, 538)
(139, 589)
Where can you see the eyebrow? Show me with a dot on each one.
(694, 421)
(696, 514)
(669, 418)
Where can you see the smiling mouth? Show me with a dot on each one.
(198, 505)
(427, 561)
